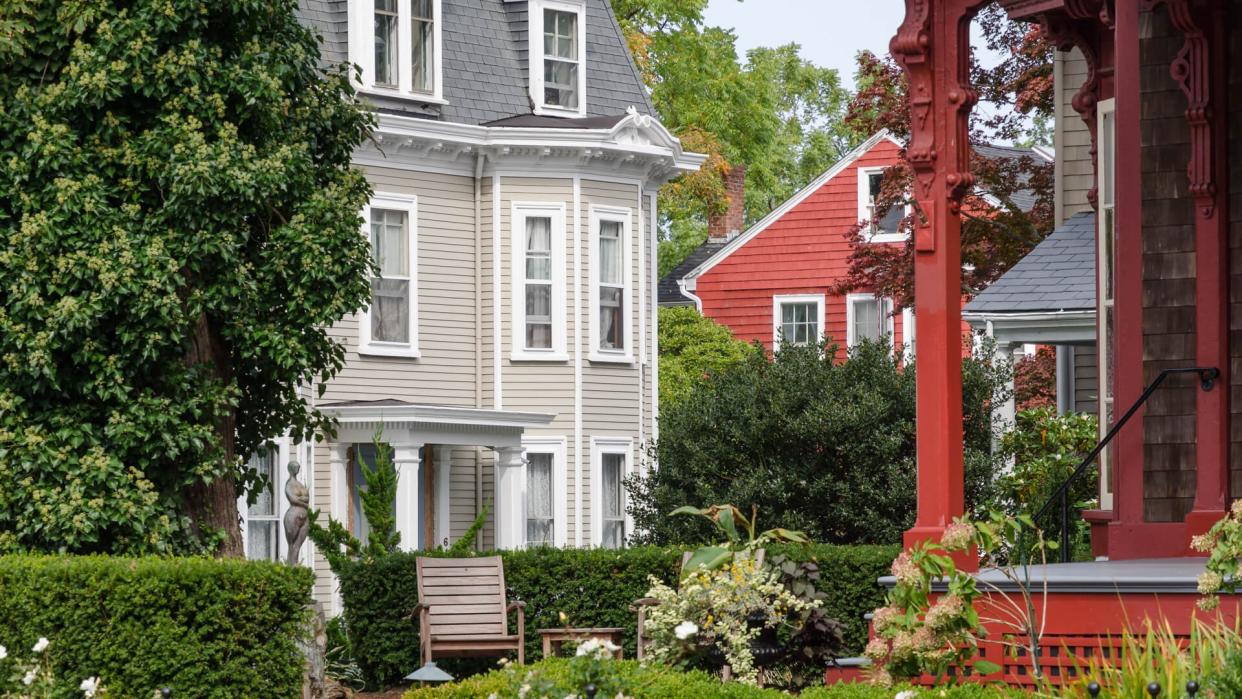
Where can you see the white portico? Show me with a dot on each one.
(423, 507)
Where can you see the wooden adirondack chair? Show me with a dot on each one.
(462, 610)
(643, 604)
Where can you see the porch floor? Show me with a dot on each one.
(1150, 575)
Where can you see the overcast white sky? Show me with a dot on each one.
(831, 32)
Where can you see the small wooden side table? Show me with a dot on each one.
(554, 638)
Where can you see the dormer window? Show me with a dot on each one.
(558, 50)
(880, 228)
(397, 45)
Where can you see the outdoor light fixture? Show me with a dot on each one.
(429, 673)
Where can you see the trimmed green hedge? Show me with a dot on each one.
(657, 682)
(594, 587)
(204, 627)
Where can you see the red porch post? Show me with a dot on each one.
(1201, 70)
(933, 46)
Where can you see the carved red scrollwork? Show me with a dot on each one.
(1066, 34)
(1193, 70)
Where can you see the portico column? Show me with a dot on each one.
(933, 47)
(1006, 413)
(338, 464)
(406, 460)
(510, 518)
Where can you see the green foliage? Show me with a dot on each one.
(778, 114)
(592, 587)
(657, 682)
(728, 519)
(820, 446)
(1223, 544)
(691, 348)
(465, 545)
(1046, 448)
(337, 543)
(178, 230)
(206, 628)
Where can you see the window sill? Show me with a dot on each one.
(393, 92)
(371, 350)
(888, 238)
(543, 110)
(603, 358)
(557, 357)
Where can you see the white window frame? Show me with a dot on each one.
(864, 206)
(535, 53)
(366, 346)
(560, 509)
(281, 447)
(623, 216)
(782, 299)
(909, 338)
(886, 316)
(362, 50)
(1106, 398)
(518, 215)
(599, 447)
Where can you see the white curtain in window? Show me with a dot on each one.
(539, 517)
(424, 45)
(538, 282)
(612, 290)
(799, 323)
(613, 500)
(866, 319)
(560, 59)
(261, 522)
(390, 292)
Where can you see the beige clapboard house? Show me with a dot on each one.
(509, 352)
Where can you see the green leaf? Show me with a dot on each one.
(709, 557)
(985, 667)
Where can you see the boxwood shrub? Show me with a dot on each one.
(203, 627)
(593, 587)
(655, 682)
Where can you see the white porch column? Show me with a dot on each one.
(338, 464)
(1006, 413)
(443, 479)
(405, 459)
(1065, 379)
(510, 518)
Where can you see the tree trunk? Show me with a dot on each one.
(212, 506)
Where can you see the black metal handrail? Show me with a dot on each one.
(1207, 378)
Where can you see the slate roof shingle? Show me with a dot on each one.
(1058, 275)
(669, 293)
(484, 60)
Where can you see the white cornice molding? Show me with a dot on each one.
(435, 414)
(638, 146)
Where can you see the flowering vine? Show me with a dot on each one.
(1223, 544)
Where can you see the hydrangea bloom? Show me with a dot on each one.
(685, 630)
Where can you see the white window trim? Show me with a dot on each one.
(1103, 397)
(283, 455)
(560, 510)
(535, 54)
(886, 306)
(623, 216)
(518, 215)
(909, 334)
(599, 447)
(362, 51)
(780, 300)
(864, 199)
(366, 346)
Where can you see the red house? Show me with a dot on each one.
(772, 282)
(1157, 96)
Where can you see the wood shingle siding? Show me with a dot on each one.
(1168, 279)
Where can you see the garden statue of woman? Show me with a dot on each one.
(297, 517)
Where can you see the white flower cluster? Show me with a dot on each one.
(38, 670)
(597, 648)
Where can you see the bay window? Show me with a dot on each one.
(797, 319)
(610, 285)
(390, 324)
(558, 73)
(545, 498)
(1107, 198)
(539, 281)
(397, 43)
(610, 468)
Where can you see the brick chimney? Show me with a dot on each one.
(728, 225)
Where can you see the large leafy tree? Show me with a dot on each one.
(693, 348)
(777, 114)
(178, 228)
(998, 229)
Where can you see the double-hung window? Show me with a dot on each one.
(262, 522)
(397, 44)
(797, 319)
(868, 318)
(539, 281)
(610, 466)
(1107, 198)
(545, 491)
(610, 289)
(881, 227)
(390, 324)
(558, 73)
